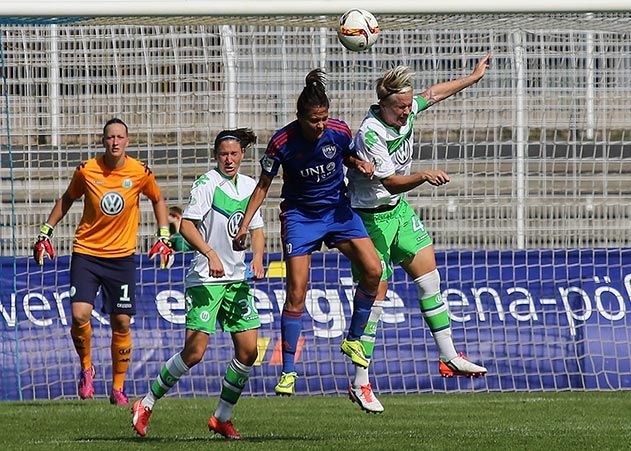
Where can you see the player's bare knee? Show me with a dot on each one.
(247, 356)
(295, 302)
(121, 324)
(79, 320)
(371, 277)
(81, 313)
(192, 357)
(375, 275)
(121, 329)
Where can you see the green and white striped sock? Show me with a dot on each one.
(235, 378)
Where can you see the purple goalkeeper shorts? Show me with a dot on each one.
(116, 277)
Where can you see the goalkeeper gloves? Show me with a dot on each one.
(42, 246)
(163, 248)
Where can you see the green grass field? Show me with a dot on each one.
(550, 421)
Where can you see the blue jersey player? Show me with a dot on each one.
(312, 151)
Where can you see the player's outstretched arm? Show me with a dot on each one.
(397, 184)
(441, 91)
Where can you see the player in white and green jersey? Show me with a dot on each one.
(386, 138)
(216, 285)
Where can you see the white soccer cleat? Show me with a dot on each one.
(365, 398)
(460, 366)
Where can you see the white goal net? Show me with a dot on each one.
(532, 234)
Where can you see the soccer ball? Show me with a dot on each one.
(358, 30)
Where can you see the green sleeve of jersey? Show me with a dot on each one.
(179, 243)
(421, 103)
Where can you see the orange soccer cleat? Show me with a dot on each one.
(140, 418)
(225, 428)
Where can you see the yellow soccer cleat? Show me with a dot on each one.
(286, 384)
(355, 351)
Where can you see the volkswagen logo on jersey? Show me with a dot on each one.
(329, 151)
(404, 154)
(234, 221)
(112, 203)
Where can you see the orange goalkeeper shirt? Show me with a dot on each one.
(111, 208)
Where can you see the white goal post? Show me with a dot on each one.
(69, 8)
(532, 233)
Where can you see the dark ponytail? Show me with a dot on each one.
(314, 93)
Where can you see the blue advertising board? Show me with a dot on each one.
(538, 320)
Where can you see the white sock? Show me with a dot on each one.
(428, 285)
(361, 377)
(223, 412)
(445, 344)
(149, 400)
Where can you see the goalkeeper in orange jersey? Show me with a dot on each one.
(104, 247)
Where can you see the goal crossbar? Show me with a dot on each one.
(39, 8)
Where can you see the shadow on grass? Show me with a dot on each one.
(209, 438)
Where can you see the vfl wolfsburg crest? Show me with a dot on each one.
(234, 221)
(404, 154)
(112, 203)
(204, 316)
(329, 151)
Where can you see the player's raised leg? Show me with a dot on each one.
(361, 252)
(352, 346)
(170, 373)
(436, 315)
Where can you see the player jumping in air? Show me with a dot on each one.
(104, 247)
(216, 289)
(315, 209)
(386, 138)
